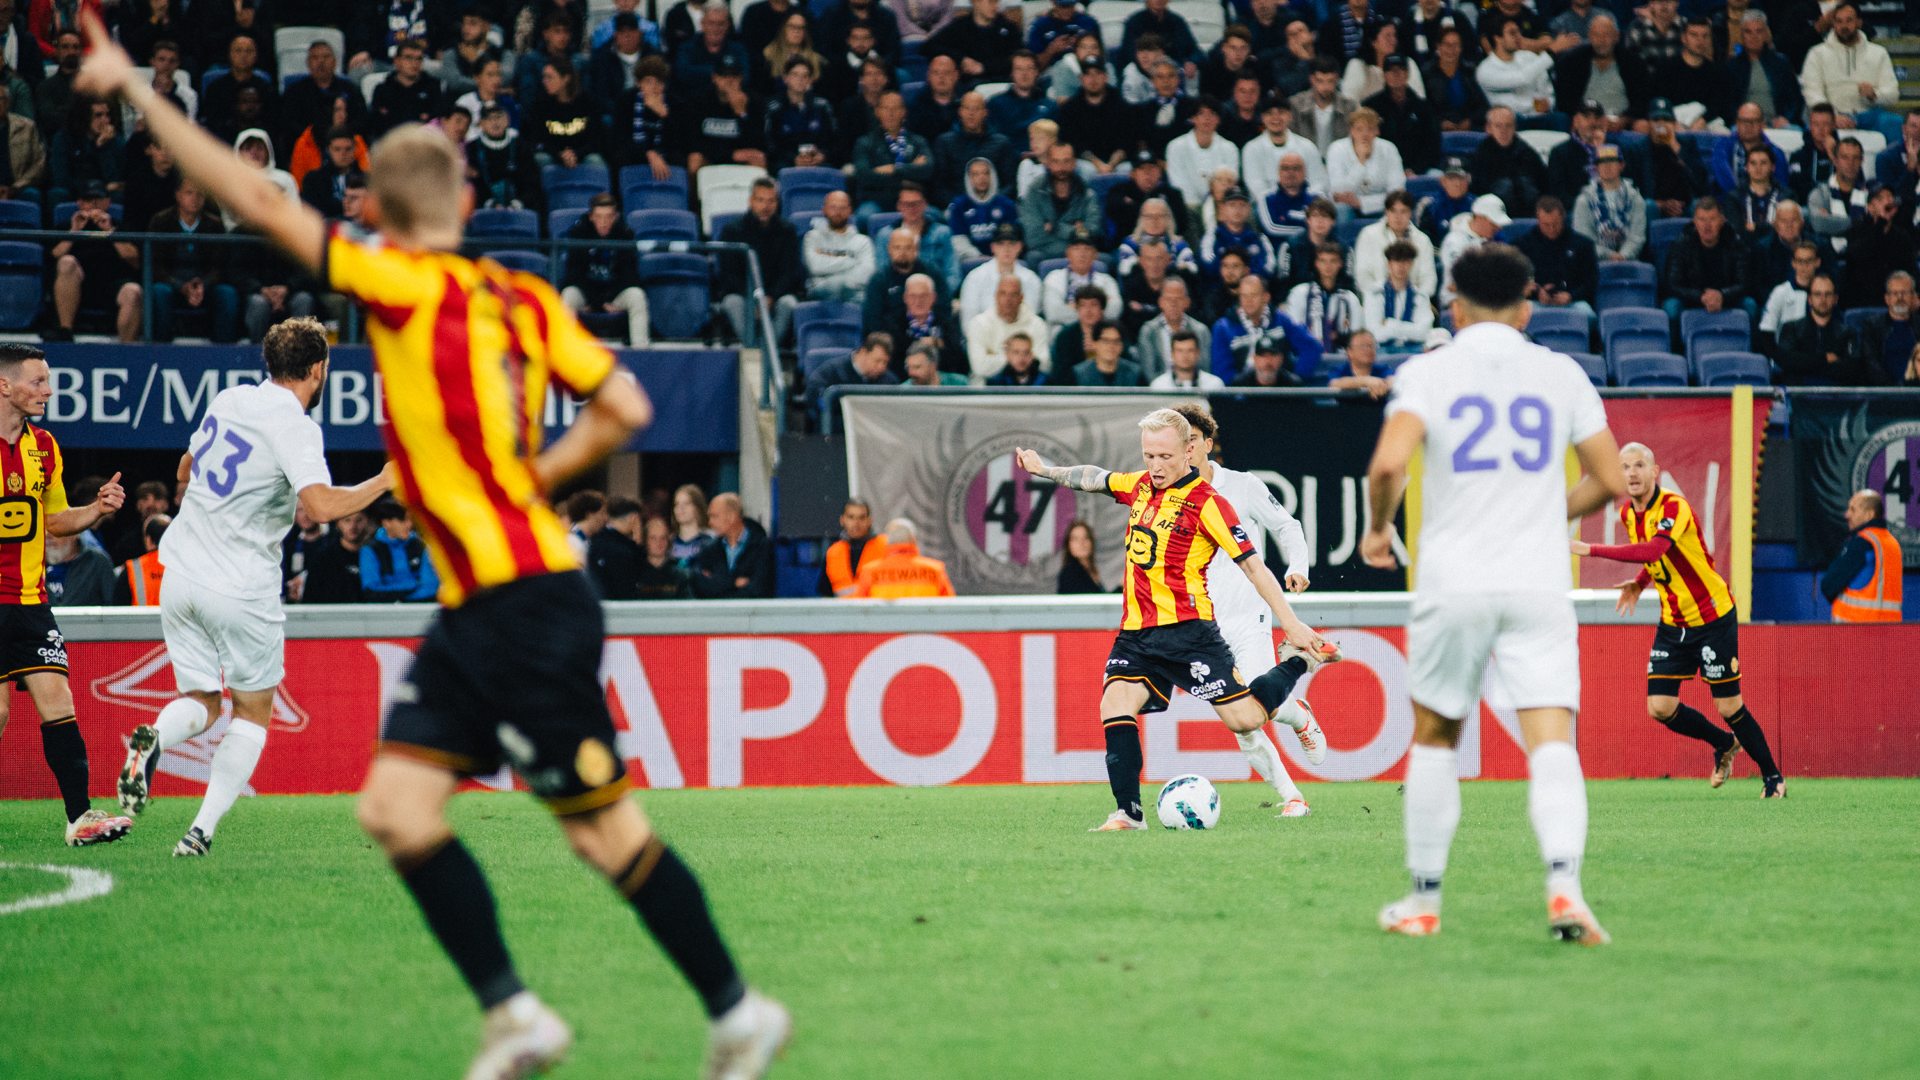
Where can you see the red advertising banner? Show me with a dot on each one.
(994, 708)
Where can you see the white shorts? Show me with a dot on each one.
(1251, 641)
(210, 633)
(1533, 639)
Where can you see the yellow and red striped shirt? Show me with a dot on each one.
(1692, 593)
(465, 351)
(1172, 534)
(30, 474)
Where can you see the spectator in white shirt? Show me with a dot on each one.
(1193, 157)
(1363, 167)
(1855, 76)
(1520, 80)
(1260, 158)
(1058, 288)
(987, 332)
(1788, 301)
(976, 292)
(1398, 314)
(1370, 248)
(1185, 370)
(839, 257)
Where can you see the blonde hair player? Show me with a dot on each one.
(1168, 638)
(1495, 414)
(460, 345)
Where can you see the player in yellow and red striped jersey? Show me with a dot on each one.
(1699, 629)
(1168, 638)
(508, 671)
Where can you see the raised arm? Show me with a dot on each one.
(1077, 477)
(294, 226)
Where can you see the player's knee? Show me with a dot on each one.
(393, 825)
(1729, 707)
(68, 267)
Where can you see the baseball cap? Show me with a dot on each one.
(93, 189)
(1607, 152)
(1491, 208)
(1007, 230)
(1394, 61)
(1146, 157)
(726, 65)
(1271, 343)
(626, 20)
(1236, 194)
(1660, 109)
(1081, 235)
(1591, 107)
(1455, 166)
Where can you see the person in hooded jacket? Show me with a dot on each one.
(971, 138)
(255, 147)
(978, 211)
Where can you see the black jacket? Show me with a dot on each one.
(333, 574)
(1787, 100)
(1154, 135)
(1122, 208)
(1472, 105)
(316, 189)
(963, 39)
(393, 104)
(1096, 130)
(1872, 254)
(1707, 84)
(613, 562)
(1568, 262)
(605, 272)
(664, 582)
(841, 372)
(1514, 172)
(775, 244)
(1770, 262)
(1412, 126)
(1870, 351)
(1693, 268)
(713, 579)
(1573, 69)
(885, 288)
(953, 346)
(1802, 352)
(367, 30)
(1678, 173)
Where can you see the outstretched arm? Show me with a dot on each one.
(1078, 477)
(253, 198)
(326, 502)
(1299, 633)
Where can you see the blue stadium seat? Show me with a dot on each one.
(533, 262)
(1595, 365)
(1631, 271)
(805, 188)
(569, 198)
(1424, 187)
(1559, 329)
(1705, 333)
(677, 293)
(1660, 236)
(20, 281)
(555, 177)
(1652, 369)
(19, 214)
(1626, 284)
(1734, 368)
(1515, 229)
(522, 223)
(63, 213)
(720, 223)
(809, 312)
(911, 89)
(1103, 184)
(1856, 318)
(1461, 143)
(803, 220)
(1627, 138)
(664, 224)
(878, 224)
(835, 333)
(653, 195)
(812, 360)
(212, 73)
(1048, 266)
(560, 222)
(1624, 331)
(968, 266)
(1348, 232)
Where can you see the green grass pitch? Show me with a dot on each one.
(981, 932)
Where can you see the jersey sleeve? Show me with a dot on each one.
(301, 452)
(1589, 416)
(1265, 511)
(1410, 392)
(54, 499)
(1223, 527)
(377, 274)
(1121, 485)
(574, 357)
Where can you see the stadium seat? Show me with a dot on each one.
(719, 224)
(1596, 366)
(559, 222)
(1515, 229)
(807, 188)
(367, 83)
(533, 262)
(1872, 142)
(677, 293)
(723, 189)
(1789, 140)
(914, 84)
(19, 214)
(1624, 331)
(968, 266)
(1101, 185)
(20, 284)
(1626, 284)
(808, 312)
(640, 191)
(1733, 369)
(1856, 318)
(876, 225)
(664, 225)
(1627, 138)
(1543, 142)
(1559, 329)
(1423, 187)
(1461, 143)
(1660, 236)
(803, 220)
(1348, 232)
(839, 333)
(812, 360)
(1704, 333)
(63, 214)
(569, 198)
(297, 39)
(1631, 270)
(504, 223)
(1652, 369)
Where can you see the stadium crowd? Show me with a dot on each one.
(1015, 200)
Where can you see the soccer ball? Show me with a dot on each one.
(1188, 802)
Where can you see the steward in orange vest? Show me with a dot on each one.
(904, 573)
(140, 578)
(841, 568)
(1863, 584)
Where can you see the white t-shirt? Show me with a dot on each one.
(1234, 598)
(1500, 413)
(254, 452)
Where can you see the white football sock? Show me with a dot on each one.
(1265, 759)
(1432, 809)
(1292, 715)
(182, 719)
(233, 762)
(1557, 803)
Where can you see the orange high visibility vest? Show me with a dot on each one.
(843, 571)
(1879, 599)
(903, 574)
(143, 576)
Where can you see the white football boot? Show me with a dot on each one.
(741, 1045)
(521, 1037)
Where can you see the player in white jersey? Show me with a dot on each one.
(1243, 617)
(255, 457)
(1495, 415)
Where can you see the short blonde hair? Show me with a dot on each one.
(1045, 127)
(1363, 115)
(1162, 419)
(416, 175)
(1641, 449)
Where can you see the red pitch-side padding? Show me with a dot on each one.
(998, 708)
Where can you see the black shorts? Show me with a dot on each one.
(1712, 650)
(30, 641)
(513, 675)
(1190, 655)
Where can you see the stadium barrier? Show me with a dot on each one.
(975, 691)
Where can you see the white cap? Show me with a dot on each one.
(1491, 208)
(1437, 337)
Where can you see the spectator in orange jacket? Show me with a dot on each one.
(903, 573)
(853, 551)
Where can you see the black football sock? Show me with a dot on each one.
(1124, 759)
(669, 900)
(458, 905)
(67, 756)
(1754, 741)
(1692, 723)
(1272, 688)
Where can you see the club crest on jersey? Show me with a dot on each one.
(14, 483)
(1200, 671)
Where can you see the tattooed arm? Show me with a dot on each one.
(1078, 477)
